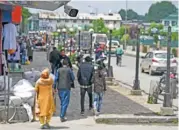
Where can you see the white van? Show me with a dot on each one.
(99, 39)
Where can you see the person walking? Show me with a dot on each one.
(84, 75)
(63, 56)
(99, 89)
(45, 100)
(29, 50)
(54, 59)
(64, 78)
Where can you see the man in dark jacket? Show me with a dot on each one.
(64, 57)
(54, 59)
(84, 75)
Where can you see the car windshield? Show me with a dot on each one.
(163, 55)
(115, 43)
(101, 39)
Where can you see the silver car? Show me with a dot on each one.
(156, 62)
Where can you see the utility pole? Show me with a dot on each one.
(124, 47)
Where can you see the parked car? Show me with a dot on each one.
(114, 45)
(156, 62)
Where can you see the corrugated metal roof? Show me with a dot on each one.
(45, 5)
(5, 5)
(173, 16)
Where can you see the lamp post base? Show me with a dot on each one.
(166, 111)
(136, 88)
(136, 92)
(110, 72)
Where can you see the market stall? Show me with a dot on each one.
(7, 11)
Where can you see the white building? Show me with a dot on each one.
(56, 19)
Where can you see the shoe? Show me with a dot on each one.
(63, 119)
(47, 125)
(90, 108)
(82, 113)
(96, 113)
(42, 126)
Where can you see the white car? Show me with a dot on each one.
(156, 62)
(114, 46)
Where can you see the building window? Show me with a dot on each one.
(174, 23)
(66, 20)
(114, 22)
(166, 23)
(107, 22)
(74, 21)
(82, 21)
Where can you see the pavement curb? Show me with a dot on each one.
(132, 119)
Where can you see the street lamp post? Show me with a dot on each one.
(71, 40)
(110, 69)
(79, 37)
(167, 97)
(167, 109)
(91, 47)
(135, 32)
(59, 31)
(64, 36)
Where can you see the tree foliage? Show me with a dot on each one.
(153, 25)
(156, 12)
(25, 15)
(125, 37)
(174, 36)
(160, 10)
(131, 14)
(99, 26)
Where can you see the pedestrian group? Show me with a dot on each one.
(61, 67)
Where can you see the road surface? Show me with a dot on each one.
(126, 74)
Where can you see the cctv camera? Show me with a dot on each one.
(70, 11)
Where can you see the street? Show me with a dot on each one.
(126, 74)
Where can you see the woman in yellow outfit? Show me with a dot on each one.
(45, 100)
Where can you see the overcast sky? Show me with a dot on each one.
(103, 6)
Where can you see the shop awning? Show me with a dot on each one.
(45, 5)
(4, 5)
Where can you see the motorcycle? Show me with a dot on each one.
(162, 81)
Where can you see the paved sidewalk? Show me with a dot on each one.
(82, 125)
(114, 103)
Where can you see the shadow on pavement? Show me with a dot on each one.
(58, 127)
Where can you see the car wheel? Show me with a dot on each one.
(150, 71)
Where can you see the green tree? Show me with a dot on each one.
(122, 12)
(131, 14)
(122, 31)
(125, 37)
(99, 26)
(25, 15)
(155, 25)
(174, 36)
(162, 33)
(160, 10)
